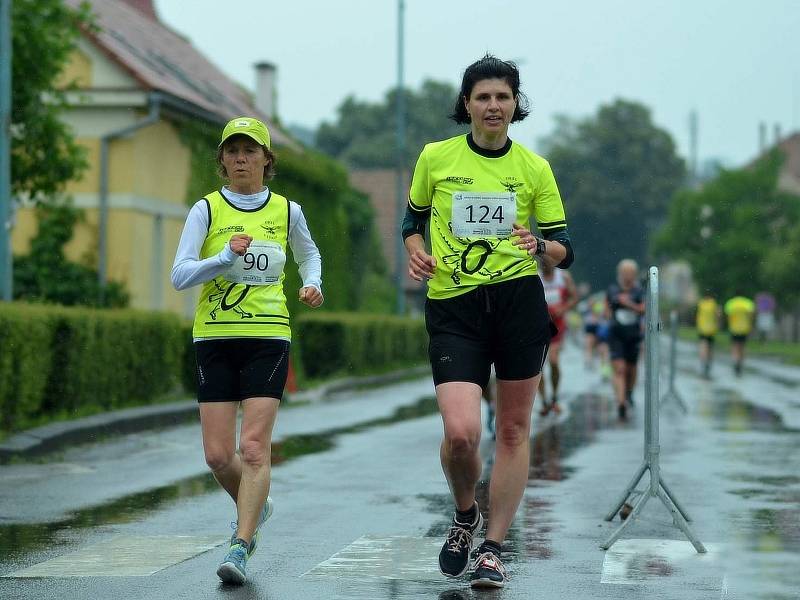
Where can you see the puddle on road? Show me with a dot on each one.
(18, 539)
(728, 410)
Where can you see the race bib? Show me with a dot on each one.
(262, 264)
(483, 214)
(552, 295)
(625, 316)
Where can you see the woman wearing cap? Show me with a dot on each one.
(234, 245)
(485, 303)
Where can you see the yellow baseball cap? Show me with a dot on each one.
(248, 126)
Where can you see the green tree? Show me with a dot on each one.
(616, 172)
(364, 134)
(44, 154)
(738, 232)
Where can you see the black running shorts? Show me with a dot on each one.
(240, 368)
(624, 344)
(505, 324)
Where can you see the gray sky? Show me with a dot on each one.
(733, 61)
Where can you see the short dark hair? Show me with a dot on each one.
(490, 67)
(269, 169)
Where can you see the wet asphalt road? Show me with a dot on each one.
(361, 504)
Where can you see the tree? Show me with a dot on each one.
(44, 154)
(616, 172)
(739, 232)
(365, 133)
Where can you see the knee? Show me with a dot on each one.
(218, 459)
(462, 442)
(512, 434)
(253, 452)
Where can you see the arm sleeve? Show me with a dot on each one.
(188, 269)
(549, 214)
(305, 251)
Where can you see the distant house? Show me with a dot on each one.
(139, 84)
(380, 186)
(789, 176)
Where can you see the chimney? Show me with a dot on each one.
(265, 89)
(776, 132)
(762, 137)
(145, 7)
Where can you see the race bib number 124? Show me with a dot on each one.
(483, 214)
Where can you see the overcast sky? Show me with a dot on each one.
(737, 62)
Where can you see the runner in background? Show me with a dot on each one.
(740, 311)
(707, 323)
(765, 315)
(625, 309)
(561, 296)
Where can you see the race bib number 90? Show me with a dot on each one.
(483, 214)
(262, 264)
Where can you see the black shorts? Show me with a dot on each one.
(739, 338)
(706, 338)
(239, 368)
(624, 344)
(505, 324)
(590, 328)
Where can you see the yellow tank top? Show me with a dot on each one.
(230, 305)
(740, 315)
(707, 323)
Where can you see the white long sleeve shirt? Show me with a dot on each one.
(189, 270)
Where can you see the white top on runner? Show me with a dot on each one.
(483, 214)
(188, 270)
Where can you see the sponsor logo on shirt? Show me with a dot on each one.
(511, 183)
(461, 180)
(231, 229)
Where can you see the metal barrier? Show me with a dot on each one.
(657, 487)
(672, 393)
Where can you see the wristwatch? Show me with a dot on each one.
(541, 247)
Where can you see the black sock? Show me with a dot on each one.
(467, 516)
(490, 546)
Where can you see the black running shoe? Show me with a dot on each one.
(622, 411)
(454, 556)
(488, 572)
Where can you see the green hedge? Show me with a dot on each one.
(58, 361)
(354, 343)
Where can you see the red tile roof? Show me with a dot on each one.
(162, 60)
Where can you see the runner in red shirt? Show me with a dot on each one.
(561, 296)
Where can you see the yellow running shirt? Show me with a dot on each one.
(740, 312)
(247, 300)
(474, 195)
(706, 322)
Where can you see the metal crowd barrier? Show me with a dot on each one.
(657, 487)
(672, 393)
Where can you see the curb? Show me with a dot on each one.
(56, 436)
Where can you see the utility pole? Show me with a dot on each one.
(400, 198)
(693, 148)
(6, 279)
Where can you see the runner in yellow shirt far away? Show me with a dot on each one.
(740, 312)
(707, 323)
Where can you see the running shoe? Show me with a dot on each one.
(233, 566)
(622, 411)
(488, 572)
(266, 513)
(454, 556)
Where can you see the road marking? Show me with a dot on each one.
(397, 557)
(630, 562)
(124, 556)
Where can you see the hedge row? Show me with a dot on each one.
(62, 361)
(354, 343)
(57, 362)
